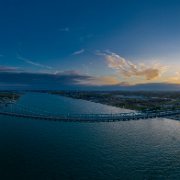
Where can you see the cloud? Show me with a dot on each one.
(175, 78)
(33, 63)
(8, 69)
(100, 81)
(81, 51)
(69, 72)
(128, 69)
(41, 79)
(70, 79)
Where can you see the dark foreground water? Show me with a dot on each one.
(44, 150)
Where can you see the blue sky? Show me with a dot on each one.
(113, 42)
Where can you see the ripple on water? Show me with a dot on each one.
(142, 149)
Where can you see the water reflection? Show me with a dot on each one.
(32, 149)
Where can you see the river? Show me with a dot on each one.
(48, 150)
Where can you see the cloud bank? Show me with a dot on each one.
(41, 80)
(70, 80)
(12, 77)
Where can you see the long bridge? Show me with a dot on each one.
(22, 111)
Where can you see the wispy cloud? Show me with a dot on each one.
(28, 61)
(81, 51)
(8, 69)
(129, 69)
(68, 72)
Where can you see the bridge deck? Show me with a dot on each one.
(94, 117)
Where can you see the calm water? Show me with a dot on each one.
(43, 150)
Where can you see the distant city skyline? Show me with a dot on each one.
(87, 44)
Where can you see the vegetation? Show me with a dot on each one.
(141, 100)
(6, 97)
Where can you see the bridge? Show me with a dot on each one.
(22, 111)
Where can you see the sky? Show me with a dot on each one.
(89, 43)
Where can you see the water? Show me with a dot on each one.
(64, 105)
(44, 150)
